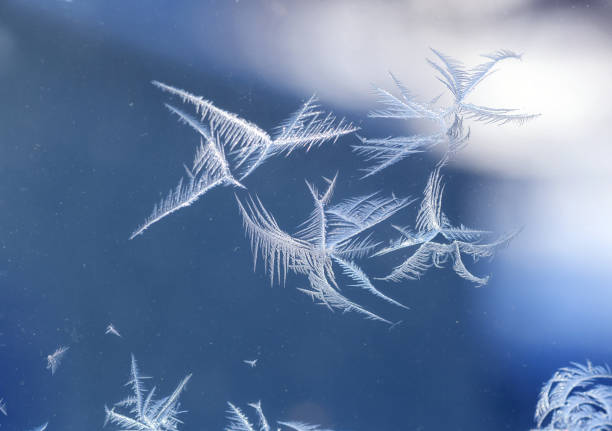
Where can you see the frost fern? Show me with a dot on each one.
(460, 81)
(576, 398)
(141, 411)
(332, 234)
(231, 148)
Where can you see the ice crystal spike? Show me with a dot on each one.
(55, 359)
(210, 169)
(3, 409)
(577, 398)
(333, 234)
(460, 81)
(232, 148)
(239, 421)
(278, 249)
(431, 223)
(42, 427)
(141, 411)
(110, 329)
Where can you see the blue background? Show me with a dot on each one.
(87, 148)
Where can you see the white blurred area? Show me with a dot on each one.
(340, 47)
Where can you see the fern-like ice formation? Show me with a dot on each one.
(239, 421)
(332, 234)
(231, 148)
(141, 411)
(337, 236)
(576, 398)
(460, 81)
(54, 360)
(432, 223)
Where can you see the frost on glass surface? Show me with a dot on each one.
(42, 427)
(578, 397)
(231, 148)
(460, 81)
(110, 329)
(459, 240)
(239, 421)
(142, 411)
(337, 234)
(336, 237)
(54, 360)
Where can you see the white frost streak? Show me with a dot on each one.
(329, 235)
(148, 413)
(55, 359)
(248, 145)
(110, 329)
(240, 422)
(432, 222)
(460, 81)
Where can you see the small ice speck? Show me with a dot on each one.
(110, 329)
(54, 360)
(250, 363)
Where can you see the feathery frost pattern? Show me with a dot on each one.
(55, 359)
(578, 397)
(332, 234)
(335, 237)
(432, 222)
(248, 147)
(239, 421)
(141, 411)
(460, 81)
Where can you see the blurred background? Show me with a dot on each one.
(87, 148)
